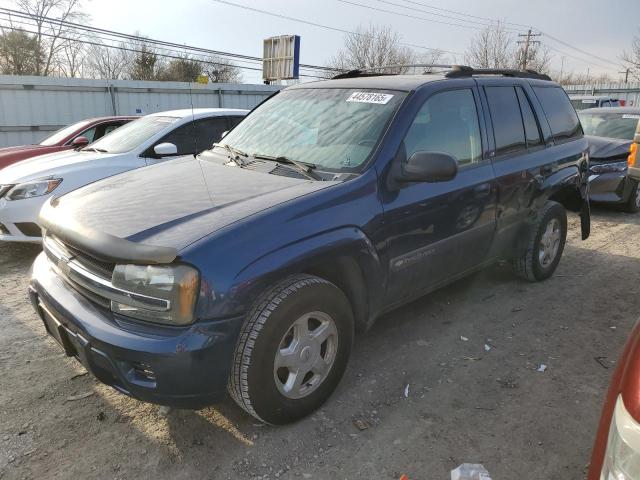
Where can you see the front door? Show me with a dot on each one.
(436, 231)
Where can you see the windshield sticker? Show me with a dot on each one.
(631, 115)
(370, 97)
(588, 101)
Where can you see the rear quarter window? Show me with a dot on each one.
(560, 114)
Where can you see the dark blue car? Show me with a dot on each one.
(249, 268)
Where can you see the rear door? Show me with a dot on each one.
(436, 231)
(519, 157)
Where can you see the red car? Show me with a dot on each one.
(75, 135)
(616, 452)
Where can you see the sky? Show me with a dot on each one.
(602, 28)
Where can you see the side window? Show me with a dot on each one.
(531, 129)
(562, 118)
(209, 131)
(183, 138)
(508, 129)
(447, 122)
(233, 121)
(88, 134)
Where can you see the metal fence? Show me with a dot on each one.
(630, 92)
(31, 108)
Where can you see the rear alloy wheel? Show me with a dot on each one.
(633, 203)
(293, 349)
(545, 244)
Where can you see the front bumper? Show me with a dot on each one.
(19, 219)
(184, 367)
(610, 187)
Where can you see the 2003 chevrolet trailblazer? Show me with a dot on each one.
(250, 266)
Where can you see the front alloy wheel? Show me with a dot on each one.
(293, 349)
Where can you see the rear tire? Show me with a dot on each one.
(545, 244)
(633, 203)
(292, 350)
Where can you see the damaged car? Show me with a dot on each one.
(610, 133)
(250, 267)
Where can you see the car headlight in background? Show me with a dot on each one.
(622, 458)
(175, 286)
(36, 188)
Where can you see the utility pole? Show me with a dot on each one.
(626, 75)
(527, 43)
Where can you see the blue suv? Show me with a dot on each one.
(249, 267)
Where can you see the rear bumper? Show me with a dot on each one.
(184, 367)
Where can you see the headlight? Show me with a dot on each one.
(622, 459)
(36, 188)
(176, 286)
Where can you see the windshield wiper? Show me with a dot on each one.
(235, 153)
(93, 149)
(305, 168)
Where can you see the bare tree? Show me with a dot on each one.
(492, 47)
(495, 47)
(108, 62)
(72, 59)
(631, 59)
(51, 34)
(221, 70)
(372, 47)
(183, 69)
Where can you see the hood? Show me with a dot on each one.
(603, 149)
(11, 155)
(50, 165)
(175, 203)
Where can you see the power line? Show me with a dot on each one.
(475, 22)
(584, 52)
(406, 15)
(465, 14)
(320, 25)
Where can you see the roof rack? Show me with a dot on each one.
(372, 71)
(454, 71)
(465, 71)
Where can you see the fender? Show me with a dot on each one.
(320, 253)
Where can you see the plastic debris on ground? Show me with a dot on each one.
(464, 339)
(487, 347)
(542, 367)
(406, 391)
(470, 471)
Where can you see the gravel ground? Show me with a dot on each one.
(464, 404)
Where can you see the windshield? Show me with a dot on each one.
(330, 128)
(612, 125)
(131, 135)
(63, 133)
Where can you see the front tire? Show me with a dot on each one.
(545, 244)
(292, 350)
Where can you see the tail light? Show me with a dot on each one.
(633, 154)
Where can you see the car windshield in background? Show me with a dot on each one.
(334, 129)
(63, 133)
(611, 125)
(131, 135)
(584, 103)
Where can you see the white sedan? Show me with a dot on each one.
(27, 185)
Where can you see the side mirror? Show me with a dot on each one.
(165, 149)
(224, 134)
(79, 142)
(428, 167)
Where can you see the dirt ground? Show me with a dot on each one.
(464, 404)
